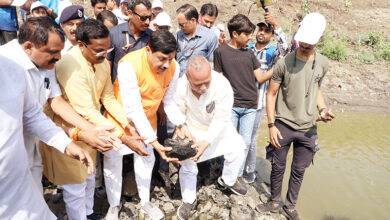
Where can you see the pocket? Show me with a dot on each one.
(269, 149)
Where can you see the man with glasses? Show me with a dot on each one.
(131, 36)
(193, 38)
(83, 75)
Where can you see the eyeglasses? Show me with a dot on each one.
(182, 24)
(143, 17)
(100, 53)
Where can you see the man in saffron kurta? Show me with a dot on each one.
(146, 78)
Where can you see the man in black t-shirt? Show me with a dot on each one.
(240, 66)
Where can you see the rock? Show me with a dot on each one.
(251, 203)
(264, 198)
(206, 207)
(181, 148)
(220, 198)
(224, 214)
(237, 200)
(213, 211)
(241, 212)
(266, 188)
(168, 208)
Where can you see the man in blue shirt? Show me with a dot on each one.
(193, 38)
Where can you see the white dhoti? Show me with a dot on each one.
(34, 159)
(229, 144)
(143, 167)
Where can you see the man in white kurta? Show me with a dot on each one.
(205, 99)
(20, 197)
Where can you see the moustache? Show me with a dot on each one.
(54, 60)
(306, 48)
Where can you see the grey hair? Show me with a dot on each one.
(197, 62)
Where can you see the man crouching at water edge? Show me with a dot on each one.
(292, 113)
(205, 99)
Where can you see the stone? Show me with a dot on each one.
(251, 203)
(206, 207)
(237, 200)
(181, 148)
(241, 212)
(213, 211)
(168, 208)
(224, 214)
(220, 198)
(265, 188)
(264, 198)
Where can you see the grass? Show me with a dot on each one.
(334, 50)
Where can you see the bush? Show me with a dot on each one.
(367, 57)
(334, 50)
(374, 38)
(384, 50)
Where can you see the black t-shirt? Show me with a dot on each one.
(238, 66)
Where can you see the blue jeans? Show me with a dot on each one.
(243, 120)
(251, 158)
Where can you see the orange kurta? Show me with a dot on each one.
(152, 85)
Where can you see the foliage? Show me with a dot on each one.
(374, 38)
(366, 57)
(306, 6)
(334, 50)
(384, 50)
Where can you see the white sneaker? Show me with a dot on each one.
(153, 211)
(113, 213)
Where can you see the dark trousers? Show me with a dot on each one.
(6, 36)
(304, 146)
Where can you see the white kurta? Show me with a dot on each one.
(20, 198)
(212, 124)
(43, 84)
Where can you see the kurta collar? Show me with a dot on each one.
(24, 60)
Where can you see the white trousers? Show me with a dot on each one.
(112, 171)
(34, 160)
(231, 147)
(78, 198)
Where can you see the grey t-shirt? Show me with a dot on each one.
(296, 103)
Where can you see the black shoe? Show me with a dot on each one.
(238, 188)
(93, 216)
(184, 210)
(271, 206)
(291, 214)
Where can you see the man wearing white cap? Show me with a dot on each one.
(38, 9)
(294, 94)
(157, 7)
(162, 22)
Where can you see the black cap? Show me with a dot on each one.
(267, 25)
(72, 12)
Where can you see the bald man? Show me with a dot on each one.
(205, 99)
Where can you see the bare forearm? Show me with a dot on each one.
(270, 107)
(5, 3)
(263, 77)
(320, 100)
(66, 112)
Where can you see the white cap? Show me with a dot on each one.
(163, 19)
(311, 28)
(37, 4)
(18, 3)
(157, 4)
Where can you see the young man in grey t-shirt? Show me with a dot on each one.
(294, 94)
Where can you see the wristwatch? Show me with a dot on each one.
(270, 125)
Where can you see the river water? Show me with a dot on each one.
(350, 178)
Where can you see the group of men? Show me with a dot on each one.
(211, 90)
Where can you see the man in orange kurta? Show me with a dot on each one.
(146, 78)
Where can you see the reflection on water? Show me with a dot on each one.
(350, 178)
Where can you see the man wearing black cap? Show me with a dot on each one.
(71, 16)
(267, 56)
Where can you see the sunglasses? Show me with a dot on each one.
(182, 24)
(143, 17)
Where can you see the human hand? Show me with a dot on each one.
(183, 132)
(200, 147)
(326, 115)
(83, 156)
(100, 138)
(135, 143)
(161, 150)
(274, 134)
(270, 19)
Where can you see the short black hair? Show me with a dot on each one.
(133, 3)
(240, 24)
(189, 11)
(91, 29)
(209, 9)
(36, 30)
(162, 41)
(94, 2)
(107, 15)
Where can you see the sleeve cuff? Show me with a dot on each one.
(278, 31)
(60, 141)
